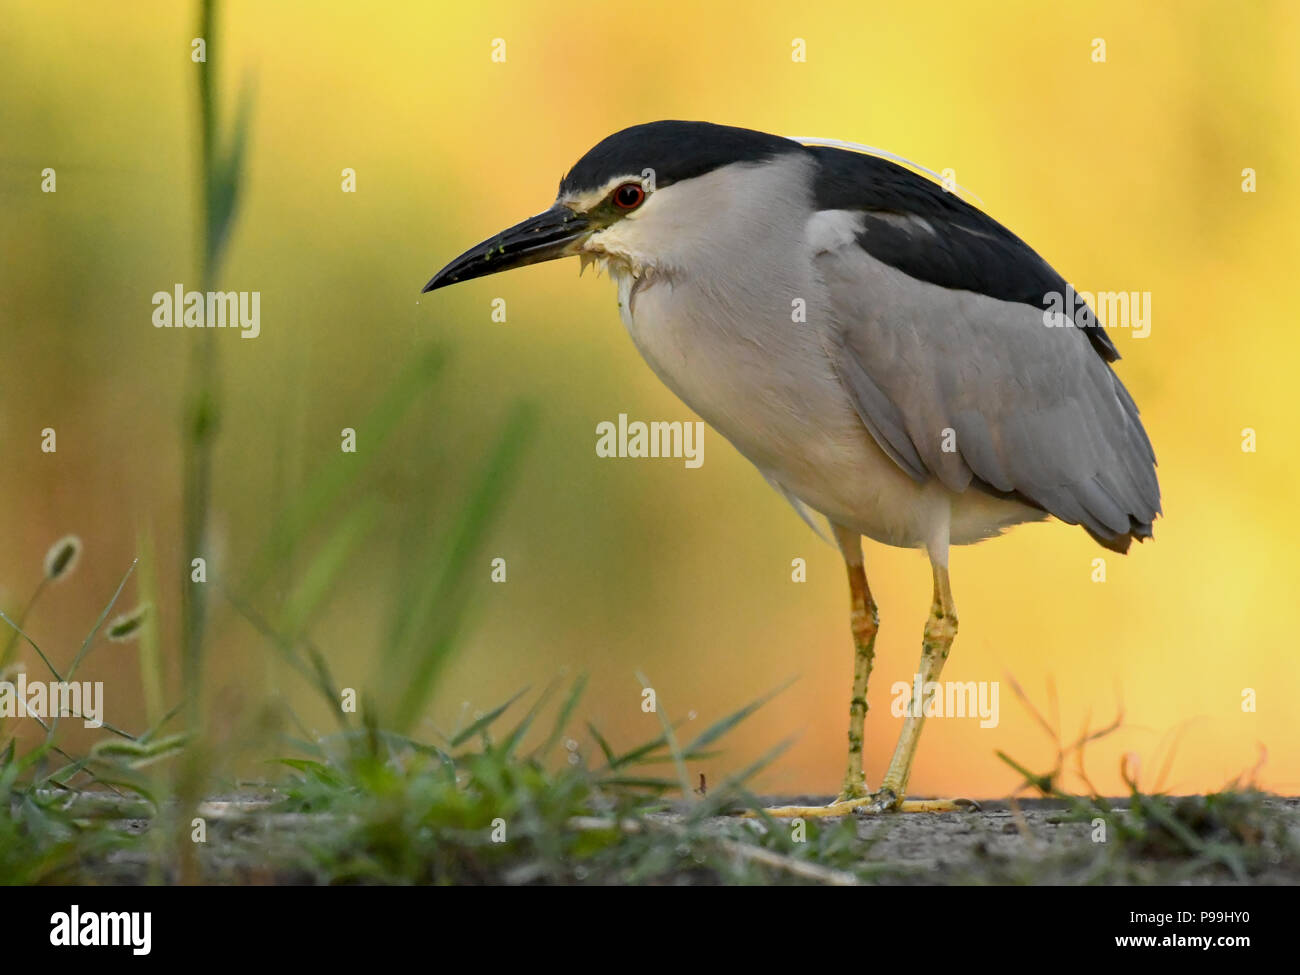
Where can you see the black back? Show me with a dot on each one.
(968, 249)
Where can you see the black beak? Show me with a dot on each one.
(545, 237)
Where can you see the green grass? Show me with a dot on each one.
(43, 786)
(219, 176)
(499, 801)
(476, 806)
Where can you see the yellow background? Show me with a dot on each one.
(1125, 175)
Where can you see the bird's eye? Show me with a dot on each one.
(629, 196)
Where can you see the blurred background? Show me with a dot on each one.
(1125, 174)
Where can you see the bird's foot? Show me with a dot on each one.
(938, 805)
(882, 801)
(854, 787)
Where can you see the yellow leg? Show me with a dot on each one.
(940, 630)
(863, 621)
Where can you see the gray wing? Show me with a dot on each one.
(1033, 412)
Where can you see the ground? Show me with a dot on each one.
(1042, 841)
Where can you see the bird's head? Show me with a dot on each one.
(632, 202)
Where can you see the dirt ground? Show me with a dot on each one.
(1034, 842)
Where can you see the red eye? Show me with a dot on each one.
(629, 196)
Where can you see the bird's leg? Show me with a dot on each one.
(940, 630)
(863, 622)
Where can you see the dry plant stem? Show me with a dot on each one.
(752, 854)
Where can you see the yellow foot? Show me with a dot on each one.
(939, 805)
(881, 802)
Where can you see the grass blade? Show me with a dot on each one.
(483, 722)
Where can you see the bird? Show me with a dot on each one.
(885, 353)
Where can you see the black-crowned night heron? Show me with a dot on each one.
(884, 353)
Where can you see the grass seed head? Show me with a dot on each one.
(62, 557)
(128, 625)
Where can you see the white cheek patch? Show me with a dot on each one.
(688, 224)
(621, 248)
